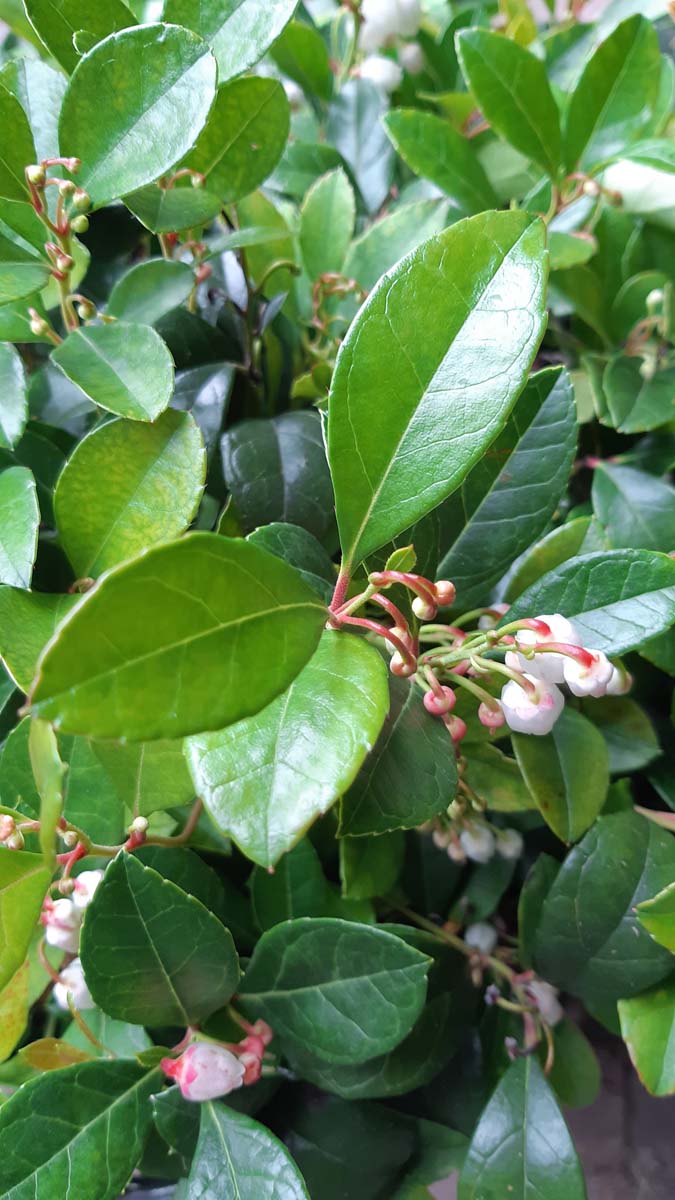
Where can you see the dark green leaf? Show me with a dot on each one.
(149, 290)
(658, 916)
(648, 1029)
(302, 550)
(57, 23)
(630, 736)
(17, 149)
(297, 888)
(327, 224)
(236, 1158)
(13, 406)
(575, 1075)
(240, 31)
(244, 137)
(397, 233)
(302, 54)
(19, 521)
(563, 542)
(534, 891)
(24, 880)
(630, 403)
(370, 866)
(123, 368)
(433, 149)
(635, 508)
(151, 775)
(22, 272)
(27, 622)
(567, 773)
(497, 779)
(164, 210)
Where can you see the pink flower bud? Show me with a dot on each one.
(441, 838)
(205, 1071)
(262, 1030)
(532, 712)
(588, 678)
(400, 666)
(84, 886)
(252, 1065)
(491, 717)
(457, 729)
(423, 609)
(74, 984)
(437, 706)
(7, 826)
(446, 592)
(62, 922)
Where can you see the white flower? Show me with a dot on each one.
(411, 58)
(509, 844)
(481, 936)
(441, 838)
(294, 93)
(478, 843)
(532, 712)
(545, 997)
(205, 1071)
(545, 666)
(62, 922)
(73, 983)
(85, 885)
(409, 16)
(588, 678)
(383, 72)
(620, 682)
(380, 19)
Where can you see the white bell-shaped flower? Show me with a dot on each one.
(85, 884)
(383, 72)
(588, 677)
(548, 666)
(73, 983)
(62, 922)
(532, 712)
(509, 844)
(545, 997)
(205, 1071)
(481, 936)
(478, 843)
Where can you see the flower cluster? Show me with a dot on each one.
(62, 920)
(385, 24)
(209, 1069)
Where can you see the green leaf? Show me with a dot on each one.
(13, 1011)
(575, 1075)
(266, 779)
(397, 233)
(554, 549)
(238, 1159)
(123, 368)
(13, 402)
(570, 249)
(19, 522)
(327, 224)
(126, 487)
(434, 150)
(17, 149)
(48, 772)
(354, 129)
(629, 734)
(648, 1029)
(533, 893)
(157, 115)
(24, 880)
(589, 939)
(276, 470)
(152, 953)
(410, 775)
(618, 599)
(614, 101)
(370, 866)
(343, 992)
(390, 472)
(497, 779)
(164, 210)
(658, 917)
(239, 31)
(75, 1120)
(297, 888)
(512, 90)
(153, 774)
(244, 137)
(22, 272)
(302, 550)
(149, 290)
(205, 393)
(522, 1147)
(511, 494)
(302, 54)
(57, 23)
(630, 403)
(636, 509)
(27, 622)
(145, 629)
(567, 773)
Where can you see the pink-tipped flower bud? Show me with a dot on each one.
(73, 983)
(438, 706)
(36, 175)
(263, 1031)
(72, 164)
(590, 675)
(62, 921)
(7, 826)
(252, 1065)
(84, 887)
(64, 262)
(38, 326)
(423, 609)
(86, 311)
(139, 825)
(457, 729)
(205, 1071)
(15, 841)
(532, 712)
(66, 188)
(491, 716)
(446, 593)
(400, 666)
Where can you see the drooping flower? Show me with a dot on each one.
(85, 884)
(478, 843)
(532, 712)
(545, 996)
(548, 666)
(590, 675)
(509, 844)
(205, 1071)
(62, 921)
(481, 936)
(383, 72)
(73, 983)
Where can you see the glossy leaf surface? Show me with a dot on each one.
(13, 406)
(19, 521)
(567, 773)
(57, 23)
(239, 1159)
(123, 368)
(27, 622)
(648, 1029)
(240, 31)
(433, 149)
(24, 880)
(244, 137)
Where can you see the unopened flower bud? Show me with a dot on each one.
(411, 58)
(79, 224)
(86, 311)
(72, 164)
(64, 262)
(38, 326)
(545, 996)
(457, 728)
(85, 884)
(588, 678)
(654, 299)
(197, 180)
(7, 826)
(509, 844)
(66, 188)
(481, 936)
(383, 73)
(205, 1071)
(478, 843)
(73, 983)
(436, 705)
(423, 609)
(139, 825)
(532, 712)
(36, 175)
(66, 886)
(62, 922)
(590, 187)
(446, 592)
(252, 1065)
(620, 682)
(70, 839)
(81, 200)
(15, 841)
(441, 838)
(491, 716)
(263, 1031)
(400, 666)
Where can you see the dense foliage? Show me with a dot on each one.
(336, 431)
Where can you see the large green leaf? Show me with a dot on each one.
(240, 31)
(22, 272)
(266, 779)
(522, 1147)
(297, 888)
(150, 289)
(13, 405)
(129, 486)
(327, 224)
(152, 775)
(302, 550)
(512, 90)
(629, 734)
(17, 149)
(152, 953)
(14, 1001)
(57, 21)
(433, 149)
(238, 1159)
(618, 599)
(658, 916)
(393, 460)
(410, 775)
(509, 497)
(397, 233)
(24, 880)
(244, 137)
(567, 773)
(589, 939)
(79, 1131)
(628, 402)
(124, 368)
(146, 120)
(648, 1029)
(563, 542)
(194, 635)
(19, 522)
(27, 622)
(636, 508)
(165, 210)
(340, 991)
(615, 98)
(301, 53)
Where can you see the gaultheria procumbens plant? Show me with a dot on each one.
(336, 425)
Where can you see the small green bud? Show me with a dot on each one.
(69, 839)
(64, 262)
(79, 224)
(86, 311)
(38, 326)
(66, 188)
(36, 175)
(197, 180)
(81, 200)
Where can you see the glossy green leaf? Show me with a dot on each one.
(658, 917)
(522, 1147)
(297, 888)
(567, 773)
(534, 891)
(391, 237)
(60, 1128)
(589, 938)
(615, 98)
(510, 495)
(341, 991)
(497, 779)
(151, 775)
(165, 210)
(434, 150)
(123, 368)
(354, 129)
(629, 734)
(302, 54)
(156, 115)
(24, 880)
(27, 622)
(458, 383)
(570, 249)
(327, 224)
(13, 1011)
(302, 550)
(205, 393)
(56, 24)
(149, 290)
(13, 404)
(648, 1029)
(370, 866)
(635, 508)
(17, 148)
(240, 31)
(563, 542)
(630, 403)
(22, 272)
(512, 90)
(129, 486)
(183, 627)
(238, 1159)
(244, 137)
(152, 953)
(575, 1077)
(618, 599)
(19, 521)
(410, 775)
(265, 780)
